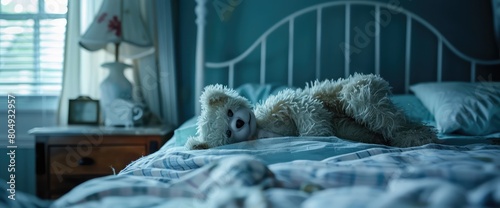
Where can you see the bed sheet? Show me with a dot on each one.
(301, 172)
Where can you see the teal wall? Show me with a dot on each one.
(24, 169)
(458, 20)
(30, 112)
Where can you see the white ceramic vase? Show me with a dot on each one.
(114, 86)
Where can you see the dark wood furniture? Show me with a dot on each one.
(68, 156)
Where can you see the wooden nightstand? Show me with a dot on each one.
(70, 155)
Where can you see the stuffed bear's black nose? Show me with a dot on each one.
(239, 123)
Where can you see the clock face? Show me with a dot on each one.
(83, 112)
(88, 112)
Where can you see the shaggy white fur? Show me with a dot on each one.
(356, 108)
(362, 111)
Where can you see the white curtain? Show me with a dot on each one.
(71, 81)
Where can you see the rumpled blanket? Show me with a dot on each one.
(301, 172)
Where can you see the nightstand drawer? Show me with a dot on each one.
(70, 155)
(70, 165)
(73, 160)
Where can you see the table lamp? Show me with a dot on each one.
(118, 28)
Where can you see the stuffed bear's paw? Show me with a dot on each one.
(200, 146)
(414, 137)
(194, 144)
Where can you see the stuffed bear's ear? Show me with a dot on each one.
(215, 95)
(193, 143)
(217, 99)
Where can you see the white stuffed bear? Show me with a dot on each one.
(357, 108)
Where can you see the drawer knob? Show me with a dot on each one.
(86, 161)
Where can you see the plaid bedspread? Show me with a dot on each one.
(301, 172)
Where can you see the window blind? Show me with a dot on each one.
(32, 38)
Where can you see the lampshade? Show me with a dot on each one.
(118, 21)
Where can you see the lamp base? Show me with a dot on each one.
(115, 86)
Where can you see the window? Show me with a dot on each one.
(32, 37)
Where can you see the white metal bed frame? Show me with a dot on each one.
(201, 12)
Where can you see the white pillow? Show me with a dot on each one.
(467, 108)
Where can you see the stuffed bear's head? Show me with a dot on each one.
(226, 118)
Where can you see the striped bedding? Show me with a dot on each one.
(301, 172)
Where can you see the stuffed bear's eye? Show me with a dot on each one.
(230, 113)
(228, 133)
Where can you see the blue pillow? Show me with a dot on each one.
(413, 108)
(182, 133)
(461, 107)
(257, 92)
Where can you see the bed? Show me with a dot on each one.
(463, 169)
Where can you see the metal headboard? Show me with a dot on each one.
(318, 9)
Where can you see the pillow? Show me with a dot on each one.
(413, 108)
(182, 133)
(467, 108)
